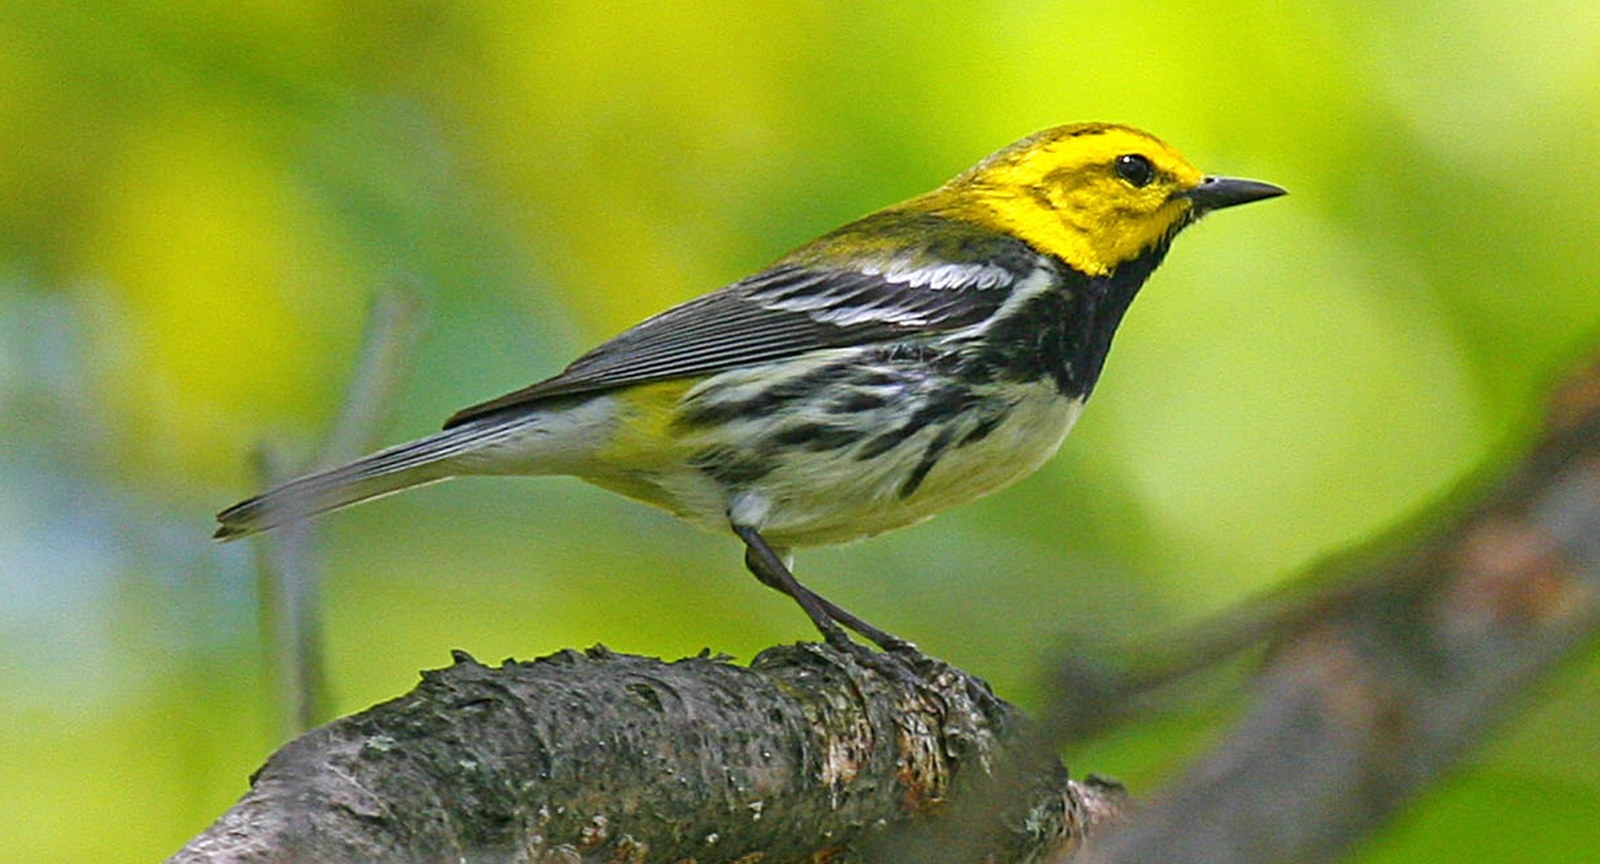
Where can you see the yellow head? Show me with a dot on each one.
(1093, 194)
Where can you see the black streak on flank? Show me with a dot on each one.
(732, 468)
(982, 429)
(930, 457)
(856, 401)
(815, 437)
(942, 406)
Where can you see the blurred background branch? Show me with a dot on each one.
(1401, 671)
(291, 617)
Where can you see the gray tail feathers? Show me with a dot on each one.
(425, 460)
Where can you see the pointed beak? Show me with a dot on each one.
(1214, 193)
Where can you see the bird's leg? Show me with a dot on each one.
(768, 566)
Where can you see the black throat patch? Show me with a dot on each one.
(1065, 333)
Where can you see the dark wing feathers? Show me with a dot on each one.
(778, 313)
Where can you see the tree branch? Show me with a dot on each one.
(606, 757)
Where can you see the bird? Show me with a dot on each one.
(910, 361)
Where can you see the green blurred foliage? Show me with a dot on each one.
(198, 198)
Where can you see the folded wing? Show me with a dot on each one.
(782, 312)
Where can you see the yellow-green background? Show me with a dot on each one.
(197, 199)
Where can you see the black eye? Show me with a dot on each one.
(1135, 169)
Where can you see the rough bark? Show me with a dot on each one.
(805, 756)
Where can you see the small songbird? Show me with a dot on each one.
(915, 359)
